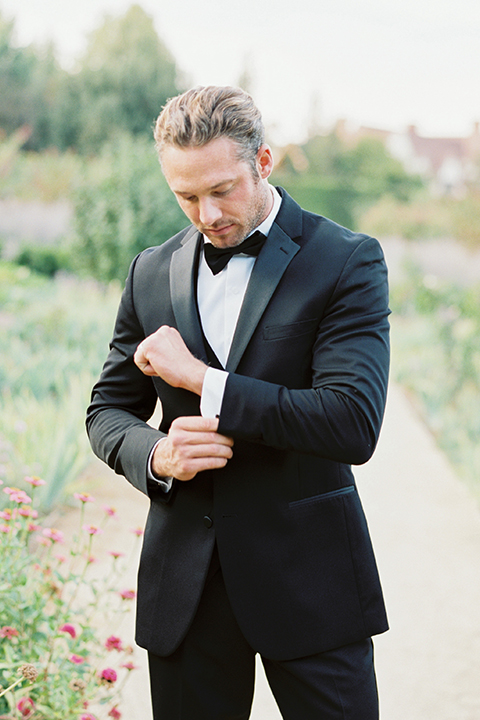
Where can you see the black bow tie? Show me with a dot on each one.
(217, 258)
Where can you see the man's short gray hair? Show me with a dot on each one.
(205, 113)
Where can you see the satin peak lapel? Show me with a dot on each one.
(183, 283)
(276, 255)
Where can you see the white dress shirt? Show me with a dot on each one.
(220, 299)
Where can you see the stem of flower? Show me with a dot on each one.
(13, 685)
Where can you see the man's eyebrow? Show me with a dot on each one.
(213, 187)
(224, 182)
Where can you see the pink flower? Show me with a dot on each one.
(20, 497)
(7, 631)
(92, 529)
(108, 675)
(34, 481)
(69, 629)
(128, 594)
(17, 495)
(129, 665)
(76, 659)
(111, 511)
(26, 511)
(60, 558)
(137, 531)
(113, 643)
(84, 497)
(26, 707)
(115, 713)
(33, 528)
(116, 554)
(6, 514)
(52, 534)
(5, 528)
(87, 716)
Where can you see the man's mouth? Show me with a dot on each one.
(218, 231)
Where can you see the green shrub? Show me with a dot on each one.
(44, 259)
(123, 206)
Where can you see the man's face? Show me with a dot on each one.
(220, 194)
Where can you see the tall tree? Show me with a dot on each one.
(30, 81)
(126, 76)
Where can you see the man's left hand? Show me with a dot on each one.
(164, 354)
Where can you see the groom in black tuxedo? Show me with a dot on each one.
(263, 331)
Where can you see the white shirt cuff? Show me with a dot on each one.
(212, 392)
(166, 482)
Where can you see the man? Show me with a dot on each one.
(271, 369)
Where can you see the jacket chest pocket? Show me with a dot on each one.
(324, 496)
(290, 330)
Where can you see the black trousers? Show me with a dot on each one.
(211, 675)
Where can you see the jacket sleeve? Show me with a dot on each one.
(340, 415)
(123, 400)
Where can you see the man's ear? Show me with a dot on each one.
(264, 161)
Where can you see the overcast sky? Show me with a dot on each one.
(384, 63)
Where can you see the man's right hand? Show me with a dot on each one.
(192, 445)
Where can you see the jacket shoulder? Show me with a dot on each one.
(307, 228)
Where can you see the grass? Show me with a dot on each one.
(55, 337)
(436, 357)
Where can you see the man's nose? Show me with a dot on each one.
(209, 211)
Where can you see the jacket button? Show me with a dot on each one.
(207, 521)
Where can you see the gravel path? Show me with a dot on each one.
(426, 531)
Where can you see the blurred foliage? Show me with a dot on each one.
(123, 206)
(54, 336)
(423, 218)
(466, 219)
(427, 217)
(30, 80)
(125, 77)
(340, 181)
(121, 83)
(436, 356)
(44, 259)
(45, 177)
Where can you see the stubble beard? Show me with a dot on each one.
(257, 212)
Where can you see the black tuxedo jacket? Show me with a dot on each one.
(304, 400)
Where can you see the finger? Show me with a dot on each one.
(190, 469)
(139, 358)
(180, 436)
(147, 369)
(195, 423)
(203, 450)
(200, 430)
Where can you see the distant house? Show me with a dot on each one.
(450, 164)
